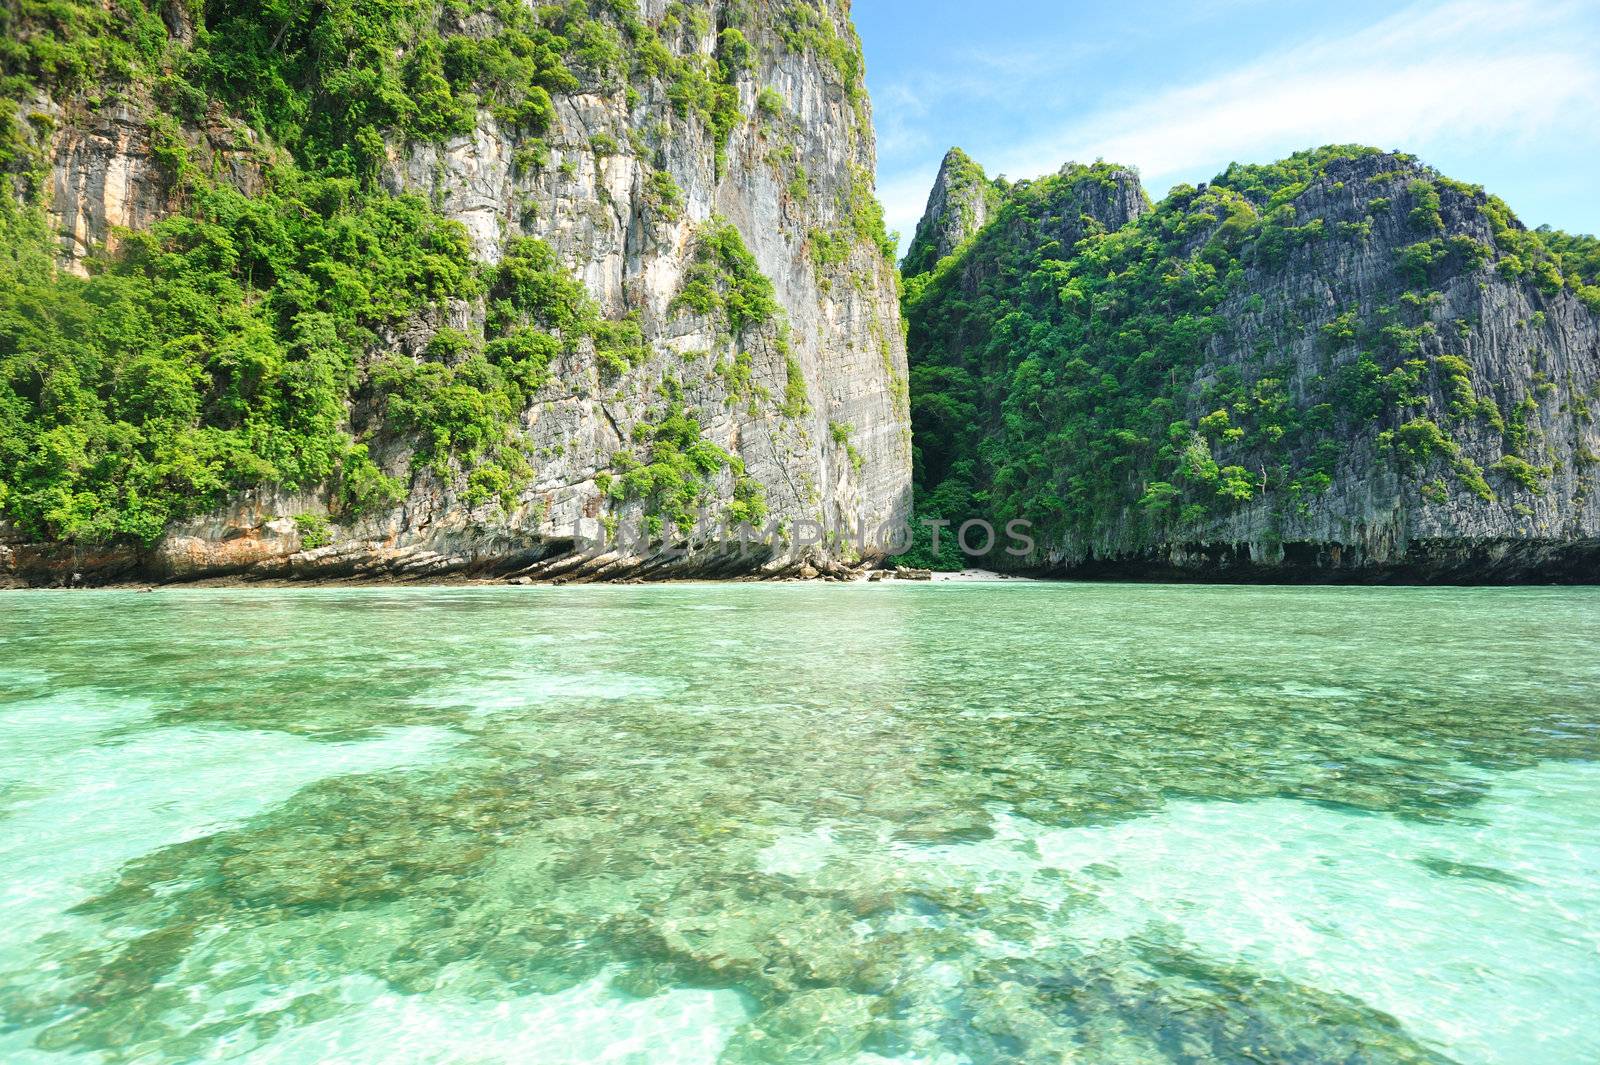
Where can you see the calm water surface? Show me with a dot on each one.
(942, 824)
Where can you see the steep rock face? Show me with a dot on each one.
(103, 179)
(1521, 412)
(809, 405)
(1342, 367)
(791, 178)
(961, 203)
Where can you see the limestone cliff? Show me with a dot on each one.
(961, 203)
(1341, 367)
(680, 138)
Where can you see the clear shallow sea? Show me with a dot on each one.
(788, 823)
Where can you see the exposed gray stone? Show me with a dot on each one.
(841, 325)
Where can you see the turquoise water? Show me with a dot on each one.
(795, 823)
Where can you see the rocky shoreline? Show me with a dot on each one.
(47, 567)
(1105, 572)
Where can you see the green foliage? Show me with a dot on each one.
(332, 81)
(770, 102)
(1429, 259)
(1578, 256)
(664, 196)
(1235, 484)
(1425, 214)
(677, 478)
(1548, 260)
(799, 187)
(1259, 183)
(1458, 377)
(863, 224)
(230, 345)
(708, 86)
(795, 403)
(1523, 473)
(596, 46)
(1420, 440)
(725, 280)
(1342, 331)
(808, 27)
(1069, 375)
(861, 206)
(1519, 430)
(1360, 232)
(1417, 260)
(69, 47)
(1471, 475)
(921, 555)
(1068, 357)
(735, 54)
(619, 346)
(829, 249)
(217, 351)
(453, 410)
(841, 433)
(965, 182)
(530, 157)
(314, 531)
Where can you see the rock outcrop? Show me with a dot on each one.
(1344, 367)
(961, 203)
(810, 407)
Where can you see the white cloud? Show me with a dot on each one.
(1464, 72)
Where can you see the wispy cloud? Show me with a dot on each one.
(1433, 74)
(1467, 69)
(909, 110)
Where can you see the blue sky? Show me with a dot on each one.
(1505, 93)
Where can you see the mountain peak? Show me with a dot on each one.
(961, 203)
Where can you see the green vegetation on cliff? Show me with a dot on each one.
(1081, 382)
(966, 186)
(724, 280)
(228, 346)
(254, 340)
(675, 479)
(217, 351)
